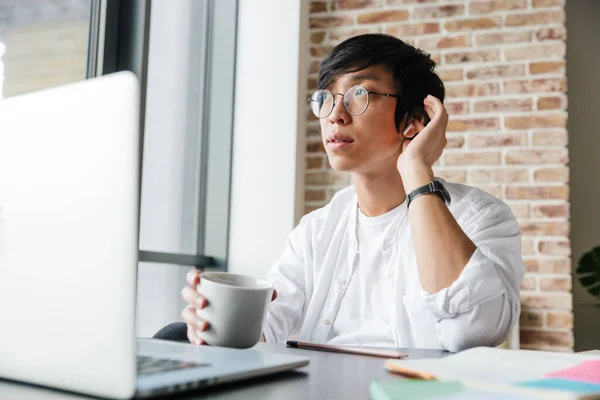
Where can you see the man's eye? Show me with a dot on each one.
(360, 92)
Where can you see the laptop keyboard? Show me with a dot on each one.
(152, 365)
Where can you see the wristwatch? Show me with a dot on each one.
(435, 187)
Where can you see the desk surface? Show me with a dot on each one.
(328, 376)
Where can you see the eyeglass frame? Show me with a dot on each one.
(333, 95)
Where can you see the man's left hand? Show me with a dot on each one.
(423, 145)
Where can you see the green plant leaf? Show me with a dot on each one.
(588, 271)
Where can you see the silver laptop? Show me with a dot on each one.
(69, 174)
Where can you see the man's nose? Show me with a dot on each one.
(339, 114)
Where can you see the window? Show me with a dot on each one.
(42, 44)
(184, 54)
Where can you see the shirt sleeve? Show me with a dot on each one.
(284, 315)
(482, 306)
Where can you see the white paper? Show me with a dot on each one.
(493, 365)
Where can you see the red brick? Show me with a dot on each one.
(559, 301)
(326, 178)
(531, 318)
(473, 89)
(535, 85)
(330, 21)
(536, 18)
(536, 121)
(548, 265)
(444, 42)
(554, 33)
(314, 195)
(472, 158)
(317, 37)
(536, 51)
(318, 6)
(484, 7)
(320, 51)
(555, 248)
(555, 284)
(438, 11)
(339, 35)
(552, 103)
(551, 175)
(499, 71)
(314, 67)
(547, 156)
(472, 56)
(455, 141)
(537, 192)
(499, 105)
(447, 75)
(529, 283)
(502, 175)
(550, 211)
(452, 175)
(403, 2)
(550, 138)
(457, 107)
(315, 147)
(520, 210)
(546, 338)
(473, 124)
(314, 162)
(484, 39)
(354, 4)
(527, 249)
(405, 30)
(547, 67)
(554, 228)
(548, 3)
(472, 24)
(497, 140)
(562, 320)
(382, 16)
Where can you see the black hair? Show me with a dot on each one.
(411, 68)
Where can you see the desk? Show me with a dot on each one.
(328, 376)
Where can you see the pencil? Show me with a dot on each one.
(409, 373)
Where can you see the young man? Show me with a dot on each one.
(400, 259)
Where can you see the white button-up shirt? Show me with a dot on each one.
(479, 308)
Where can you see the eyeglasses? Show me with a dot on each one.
(355, 100)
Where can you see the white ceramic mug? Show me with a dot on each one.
(236, 310)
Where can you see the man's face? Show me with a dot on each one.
(368, 142)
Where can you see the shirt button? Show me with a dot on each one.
(326, 322)
(342, 281)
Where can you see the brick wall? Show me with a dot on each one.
(504, 68)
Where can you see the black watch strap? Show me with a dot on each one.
(435, 187)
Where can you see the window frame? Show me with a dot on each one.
(119, 41)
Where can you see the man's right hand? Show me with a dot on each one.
(196, 302)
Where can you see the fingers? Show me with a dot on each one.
(194, 323)
(191, 296)
(434, 107)
(193, 277)
(193, 337)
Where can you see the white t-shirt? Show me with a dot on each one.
(362, 317)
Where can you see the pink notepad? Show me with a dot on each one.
(588, 371)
